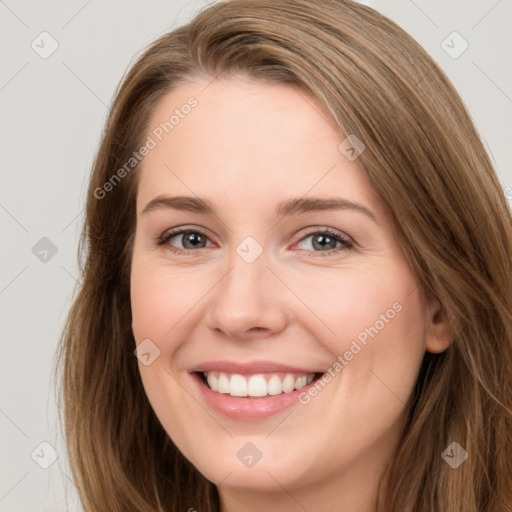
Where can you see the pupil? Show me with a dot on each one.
(192, 238)
(324, 241)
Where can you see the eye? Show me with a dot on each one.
(326, 241)
(192, 239)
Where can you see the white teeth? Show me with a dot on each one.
(237, 386)
(213, 382)
(223, 381)
(300, 382)
(274, 386)
(256, 385)
(288, 384)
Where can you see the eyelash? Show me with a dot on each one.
(336, 235)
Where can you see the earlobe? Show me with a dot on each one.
(439, 333)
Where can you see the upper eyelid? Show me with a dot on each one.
(182, 231)
(308, 231)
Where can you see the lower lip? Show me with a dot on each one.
(247, 408)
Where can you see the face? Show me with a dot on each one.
(277, 275)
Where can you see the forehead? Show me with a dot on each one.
(249, 141)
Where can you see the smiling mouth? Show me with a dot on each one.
(258, 385)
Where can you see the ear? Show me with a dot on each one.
(439, 333)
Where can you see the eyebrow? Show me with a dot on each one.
(285, 208)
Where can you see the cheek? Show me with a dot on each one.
(151, 299)
(350, 303)
(374, 319)
(160, 300)
(160, 297)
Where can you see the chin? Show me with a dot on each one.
(253, 463)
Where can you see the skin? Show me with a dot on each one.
(246, 146)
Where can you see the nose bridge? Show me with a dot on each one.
(247, 296)
(245, 284)
(247, 263)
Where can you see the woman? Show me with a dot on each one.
(212, 360)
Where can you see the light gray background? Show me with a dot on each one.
(52, 113)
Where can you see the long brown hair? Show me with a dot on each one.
(424, 157)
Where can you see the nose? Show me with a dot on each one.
(249, 301)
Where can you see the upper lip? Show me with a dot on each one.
(248, 368)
